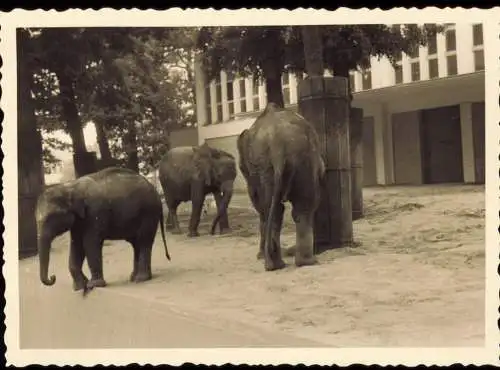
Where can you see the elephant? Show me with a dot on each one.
(111, 204)
(189, 173)
(280, 160)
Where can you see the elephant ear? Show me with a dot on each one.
(202, 162)
(77, 196)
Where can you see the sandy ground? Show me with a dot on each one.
(417, 279)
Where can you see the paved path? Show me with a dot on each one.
(57, 317)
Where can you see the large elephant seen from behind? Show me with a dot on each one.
(280, 160)
(111, 204)
(189, 173)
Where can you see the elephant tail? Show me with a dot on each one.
(162, 228)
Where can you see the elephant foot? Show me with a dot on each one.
(80, 284)
(176, 231)
(226, 230)
(260, 255)
(142, 276)
(193, 234)
(271, 265)
(305, 261)
(96, 283)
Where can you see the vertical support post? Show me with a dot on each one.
(356, 147)
(324, 101)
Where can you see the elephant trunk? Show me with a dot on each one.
(44, 256)
(227, 194)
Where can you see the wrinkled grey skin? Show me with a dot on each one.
(281, 161)
(189, 174)
(113, 204)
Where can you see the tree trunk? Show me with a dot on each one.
(29, 147)
(84, 163)
(103, 143)
(131, 148)
(342, 70)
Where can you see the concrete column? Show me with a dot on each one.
(383, 146)
(465, 56)
(467, 143)
(293, 88)
(356, 147)
(213, 101)
(201, 99)
(324, 102)
(225, 107)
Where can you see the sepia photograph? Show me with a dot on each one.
(233, 186)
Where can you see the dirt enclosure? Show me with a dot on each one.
(417, 279)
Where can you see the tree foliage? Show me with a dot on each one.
(118, 78)
(267, 52)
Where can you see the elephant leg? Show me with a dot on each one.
(76, 258)
(262, 227)
(275, 245)
(224, 220)
(93, 251)
(144, 262)
(169, 223)
(272, 256)
(136, 259)
(172, 213)
(197, 200)
(304, 243)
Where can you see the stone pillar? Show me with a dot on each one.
(85, 163)
(356, 147)
(324, 101)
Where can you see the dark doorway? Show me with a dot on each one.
(442, 145)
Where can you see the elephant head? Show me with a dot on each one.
(218, 169)
(56, 211)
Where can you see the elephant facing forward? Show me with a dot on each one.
(281, 161)
(189, 174)
(114, 203)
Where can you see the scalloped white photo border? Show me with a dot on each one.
(489, 354)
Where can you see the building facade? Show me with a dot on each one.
(424, 120)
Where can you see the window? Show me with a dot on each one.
(352, 82)
(230, 97)
(415, 71)
(243, 99)
(452, 64)
(366, 76)
(433, 68)
(477, 34)
(398, 74)
(479, 60)
(451, 40)
(208, 107)
(432, 45)
(413, 54)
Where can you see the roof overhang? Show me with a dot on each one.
(473, 80)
